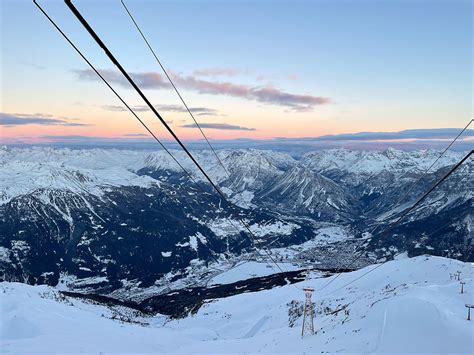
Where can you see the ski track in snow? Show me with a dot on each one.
(257, 326)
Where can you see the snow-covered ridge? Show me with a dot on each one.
(23, 170)
(405, 306)
(24, 177)
(373, 162)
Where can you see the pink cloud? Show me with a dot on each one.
(213, 72)
(265, 94)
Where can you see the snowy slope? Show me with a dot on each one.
(249, 269)
(407, 305)
(19, 178)
(308, 193)
(24, 169)
(82, 211)
(374, 162)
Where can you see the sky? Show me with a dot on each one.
(247, 69)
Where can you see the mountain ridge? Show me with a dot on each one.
(130, 216)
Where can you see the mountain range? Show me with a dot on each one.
(108, 218)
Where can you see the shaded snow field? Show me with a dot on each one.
(407, 305)
(249, 269)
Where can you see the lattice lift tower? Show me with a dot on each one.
(308, 313)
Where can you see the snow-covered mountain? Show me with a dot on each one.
(305, 192)
(405, 306)
(112, 217)
(253, 169)
(370, 163)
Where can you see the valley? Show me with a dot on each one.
(126, 222)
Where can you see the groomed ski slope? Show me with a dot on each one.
(405, 306)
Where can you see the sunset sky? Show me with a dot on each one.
(250, 69)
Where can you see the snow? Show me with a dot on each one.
(4, 254)
(22, 177)
(374, 162)
(328, 235)
(404, 306)
(278, 227)
(225, 227)
(247, 270)
(331, 203)
(26, 170)
(193, 242)
(243, 199)
(323, 236)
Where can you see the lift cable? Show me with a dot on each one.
(173, 85)
(395, 224)
(220, 192)
(378, 265)
(112, 89)
(101, 44)
(82, 20)
(427, 170)
(122, 100)
(434, 187)
(406, 194)
(176, 89)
